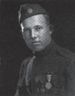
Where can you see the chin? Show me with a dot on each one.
(37, 49)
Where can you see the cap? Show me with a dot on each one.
(28, 10)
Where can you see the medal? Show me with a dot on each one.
(48, 84)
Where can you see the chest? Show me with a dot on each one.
(49, 64)
(48, 75)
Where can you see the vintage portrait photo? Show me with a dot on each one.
(37, 52)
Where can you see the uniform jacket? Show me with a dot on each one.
(45, 73)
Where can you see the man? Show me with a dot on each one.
(45, 73)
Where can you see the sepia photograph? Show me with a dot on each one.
(37, 52)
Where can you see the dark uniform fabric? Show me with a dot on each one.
(45, 74)
(71, 80)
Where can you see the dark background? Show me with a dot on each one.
(12, 46)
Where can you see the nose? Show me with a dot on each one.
(33, 34)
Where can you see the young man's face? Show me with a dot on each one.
(36, 32)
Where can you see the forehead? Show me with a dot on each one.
(34, 20)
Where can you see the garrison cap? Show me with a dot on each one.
(28, 10)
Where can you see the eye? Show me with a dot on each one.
(38, 28)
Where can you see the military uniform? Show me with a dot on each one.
(45, 73)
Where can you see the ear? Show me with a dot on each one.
(50, 32)
(51, 28)
(22, 27)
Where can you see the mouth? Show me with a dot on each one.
(36, 43)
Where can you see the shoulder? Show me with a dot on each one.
(66, 53)
(24, 64)
(22, 71)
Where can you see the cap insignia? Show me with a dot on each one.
(30, 10)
